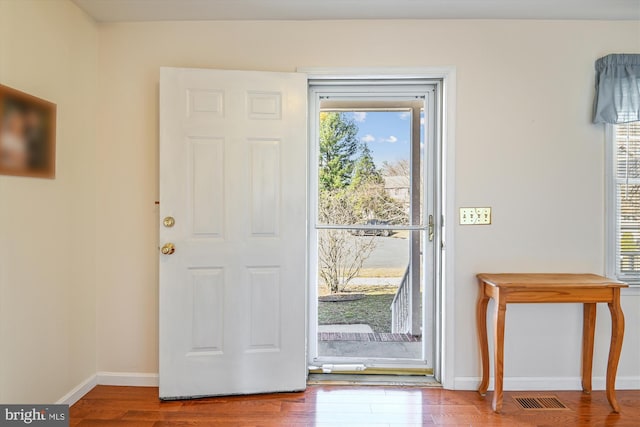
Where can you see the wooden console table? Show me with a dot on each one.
(587, 289)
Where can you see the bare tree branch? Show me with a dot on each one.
(340, 254)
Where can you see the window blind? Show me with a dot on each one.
(627, 181)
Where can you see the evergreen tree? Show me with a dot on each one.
(338, 145)
(365, 171)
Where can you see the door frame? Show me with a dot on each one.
(395, 93)
(445, 218)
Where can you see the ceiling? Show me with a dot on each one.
(190, 10)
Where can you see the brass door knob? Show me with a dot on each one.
(168, 249)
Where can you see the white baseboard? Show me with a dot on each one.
(136, 379)
(547, 383)
(78, 391)
(109, 378)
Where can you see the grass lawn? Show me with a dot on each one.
(374, 310)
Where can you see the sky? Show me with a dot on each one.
(387, 133)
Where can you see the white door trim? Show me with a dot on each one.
(445, 333)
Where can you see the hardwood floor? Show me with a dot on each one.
(347, 406)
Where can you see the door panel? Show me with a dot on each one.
(233, 175)
(207, 181)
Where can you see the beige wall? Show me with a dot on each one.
(78, 254)
(47, 227)
(524, 146)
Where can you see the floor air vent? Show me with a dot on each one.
(539, 402)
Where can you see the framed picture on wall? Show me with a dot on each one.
(27, 135)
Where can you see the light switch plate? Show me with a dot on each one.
(475, 216)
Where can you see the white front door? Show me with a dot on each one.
(233, 178)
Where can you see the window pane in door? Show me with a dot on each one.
(365, 295)
(364, 167)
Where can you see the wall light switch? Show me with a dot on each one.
(475, 216)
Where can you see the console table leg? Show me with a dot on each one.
(617, 333)
(588, 332)
(481, 324)
(498, 361)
